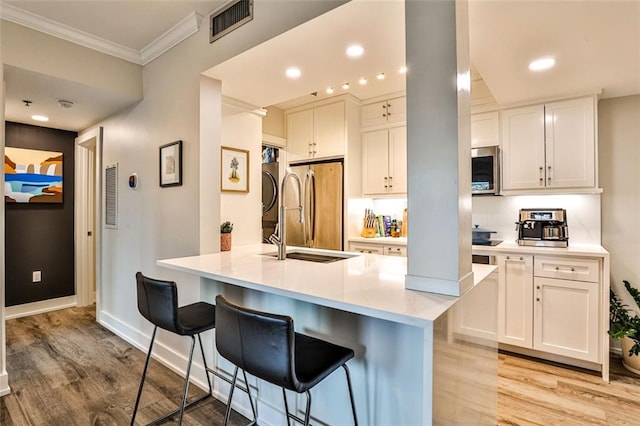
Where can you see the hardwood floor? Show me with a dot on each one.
(65, 369)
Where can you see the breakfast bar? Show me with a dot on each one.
(421, 358)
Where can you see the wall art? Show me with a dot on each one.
(32, 176)
(234, 170)
(171, 164)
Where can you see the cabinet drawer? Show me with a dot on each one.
(367, 248)
(567, 268)
(395, 250)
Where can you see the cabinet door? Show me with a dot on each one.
(300, 134)
(375, 157)
(523, 164)
(515, 300)
(397, 110)
(485, 129)
(570, 144)
(566, 318)
(366, 248)
(397, 181)
(329, 133)
(473, 319)
(374, 114)
(395, 250)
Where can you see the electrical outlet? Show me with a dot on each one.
(37, 276)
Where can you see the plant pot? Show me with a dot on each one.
(631, 363)
(225, 241)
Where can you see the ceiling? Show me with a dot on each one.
(597, 44)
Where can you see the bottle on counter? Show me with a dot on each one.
(403, 231)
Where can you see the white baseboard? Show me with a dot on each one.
(4, 384)
(27, 309)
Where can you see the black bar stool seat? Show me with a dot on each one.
(265, 345)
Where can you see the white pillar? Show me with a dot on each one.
(438, 147)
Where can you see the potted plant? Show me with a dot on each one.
(625, 326)
(225, 236)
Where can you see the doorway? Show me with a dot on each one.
(87, 211)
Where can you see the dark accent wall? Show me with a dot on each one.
(40, 237)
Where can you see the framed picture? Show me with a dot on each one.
(32, 176)
(234, 170)
(171, 164)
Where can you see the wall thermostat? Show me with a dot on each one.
(133, 181)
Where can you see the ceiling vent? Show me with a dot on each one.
(238, 13)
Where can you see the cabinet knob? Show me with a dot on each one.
(573, 269)
(537, 287)
(508, 258)
(537, 299)
(557, 268)
(521, 258)
(384, 115)
(384, 106)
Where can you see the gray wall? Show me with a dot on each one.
(619, 152)
(40, 237)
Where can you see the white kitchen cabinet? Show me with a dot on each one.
(550, 146)
(385, 112)
(473, 319)
(566, 320)
(384, 161)
(377, 248)
(515, 300)
(316, 132)
(485, 129)
(391, 250)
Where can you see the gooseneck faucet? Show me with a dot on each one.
(282, 220)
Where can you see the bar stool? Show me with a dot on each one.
(266, 346)
(158, 303)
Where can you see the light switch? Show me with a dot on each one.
(37, 276)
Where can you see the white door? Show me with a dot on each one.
(375, 158)
(515, 300)
(329, 133)
(397, 110)
(485, 129)
(374, 114)
(570, 144)
(566, 318)
(523, 165)
(397, 182)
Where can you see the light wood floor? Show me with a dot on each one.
(65, 369)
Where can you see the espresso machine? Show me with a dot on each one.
(543, 227)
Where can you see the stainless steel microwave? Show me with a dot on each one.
(485, 170)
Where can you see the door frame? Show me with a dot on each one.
(88, 202)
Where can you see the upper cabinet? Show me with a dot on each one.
(316, 132)
(384, 161)
(550, 146)
(389, 111)
(485, 129)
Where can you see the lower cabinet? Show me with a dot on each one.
(376, 248)
(550, 304)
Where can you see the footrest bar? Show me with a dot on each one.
(160, 420)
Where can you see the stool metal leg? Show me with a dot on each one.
(253, 409)
(353, 404)
(186, 380)
(144, 375)
(286, 406)
(206, 368)
(233, 386)
(307, 415)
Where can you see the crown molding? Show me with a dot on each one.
(184, 29)
(48, 26)
(234, 106)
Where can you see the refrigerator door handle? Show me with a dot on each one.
(312, 209)
(305, 227)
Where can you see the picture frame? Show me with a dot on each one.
(234, 170)
(170, 166)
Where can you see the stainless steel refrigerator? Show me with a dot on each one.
(322, 200)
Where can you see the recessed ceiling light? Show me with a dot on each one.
(542, 64)
(362, 81)
(345, 86)
(380, 76)
(293, 72)
(39, 118)
(355, 51)
(403, 69)
(329, 90)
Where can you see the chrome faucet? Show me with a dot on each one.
(282, 220)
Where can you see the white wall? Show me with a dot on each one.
(619, 152)
(244, 131)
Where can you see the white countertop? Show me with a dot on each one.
(366, 284)
(402, 241)
(591, 250)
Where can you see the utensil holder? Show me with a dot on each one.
(368, 232)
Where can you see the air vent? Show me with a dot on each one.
(223, 22)
(111, 196)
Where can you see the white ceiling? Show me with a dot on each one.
(597, 43)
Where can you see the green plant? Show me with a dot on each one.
(226, 227)
(621, 323)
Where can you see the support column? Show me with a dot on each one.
(438, 147)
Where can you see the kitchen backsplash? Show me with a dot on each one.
(499, 213)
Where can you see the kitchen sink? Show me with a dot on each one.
(314, 257)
